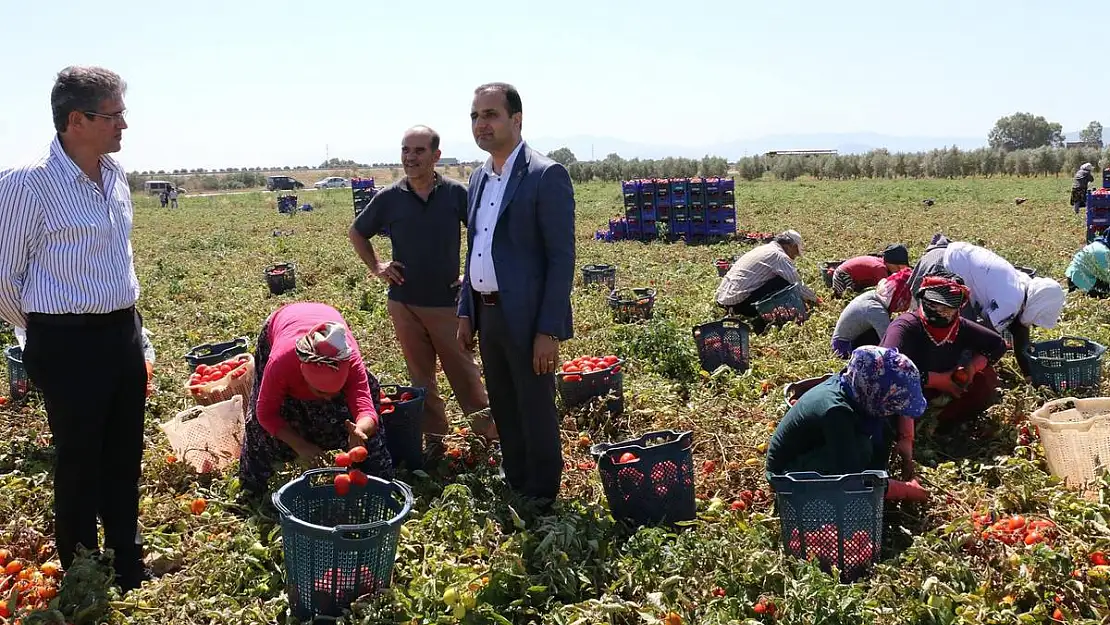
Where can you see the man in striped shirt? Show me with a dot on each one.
(67, 276)
(761, 272)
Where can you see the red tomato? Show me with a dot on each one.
(342, 484)
(342, 459)
(202, 369)
(358, 478)
(1033, 538)
(358, 454)
(574, 377)
(407, 396)
(627, 456)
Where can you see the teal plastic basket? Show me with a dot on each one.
(835, 519)
(783, 306)
(338, 548)
(1066, 363)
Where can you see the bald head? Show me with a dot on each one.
(420, 153)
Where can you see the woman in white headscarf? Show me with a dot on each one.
(1005, 298)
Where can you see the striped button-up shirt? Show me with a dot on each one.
(754, 269)
(65, 245)
(483, 275)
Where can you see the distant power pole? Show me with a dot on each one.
(327, 153)
(591, 151)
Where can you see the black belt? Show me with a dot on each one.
(488, 299)
(83, 320)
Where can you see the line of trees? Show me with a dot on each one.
(940, 163)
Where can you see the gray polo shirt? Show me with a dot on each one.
(425, 235)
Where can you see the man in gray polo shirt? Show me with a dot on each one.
(424, 213)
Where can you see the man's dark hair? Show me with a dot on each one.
(82, 89)
(434, 136)
(512, 96)
(784, 239)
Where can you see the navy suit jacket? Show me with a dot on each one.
(533, 249)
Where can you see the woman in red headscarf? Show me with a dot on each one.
(311, 392)
(954, 354)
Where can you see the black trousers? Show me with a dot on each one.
(92, 375)
(522, 405)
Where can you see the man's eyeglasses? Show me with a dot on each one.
(115, 117)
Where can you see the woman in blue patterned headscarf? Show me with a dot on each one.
(848, 423)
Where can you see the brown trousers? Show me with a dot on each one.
(426, 332)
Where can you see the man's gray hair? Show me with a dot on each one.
(784, 239)
(81, 89)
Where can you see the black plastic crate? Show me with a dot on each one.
(723, 342)
(657, 486)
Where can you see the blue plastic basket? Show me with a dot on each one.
(600, 274)
(215, 353)
(338, 548)
(404, 431)
(19, 384)
(656, 487)
(281, 277)
(579, 390)
(1066, 363)
(723, 342)
(782, 306)
(837, 519)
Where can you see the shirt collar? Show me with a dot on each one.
(436, 180)
(64, 165)
(509, 162)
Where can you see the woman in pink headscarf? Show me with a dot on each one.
(311, 392)
(865, 319)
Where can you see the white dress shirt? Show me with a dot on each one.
(483, 275)
(65, 245)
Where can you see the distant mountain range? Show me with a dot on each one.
(844, 143)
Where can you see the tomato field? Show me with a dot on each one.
(999, 541)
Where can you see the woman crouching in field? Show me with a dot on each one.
(865, 319)
(311, 392)
(849, 423)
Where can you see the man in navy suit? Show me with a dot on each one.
(516, 289)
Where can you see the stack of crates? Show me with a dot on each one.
(695, 209)
(720, 200)
(679, 225)
(632, 190)
(698, 212)
(362, 191)
(1098, 208)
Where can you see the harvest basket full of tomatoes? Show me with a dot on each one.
(649, 479)
(835, 519)
(586, 377)
(210, 384)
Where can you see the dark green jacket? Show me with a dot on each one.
(824, 432)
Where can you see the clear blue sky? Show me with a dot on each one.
(245, 83)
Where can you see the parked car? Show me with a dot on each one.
(332, 182)
(283, 183)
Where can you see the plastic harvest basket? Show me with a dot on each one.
(1075, 434)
